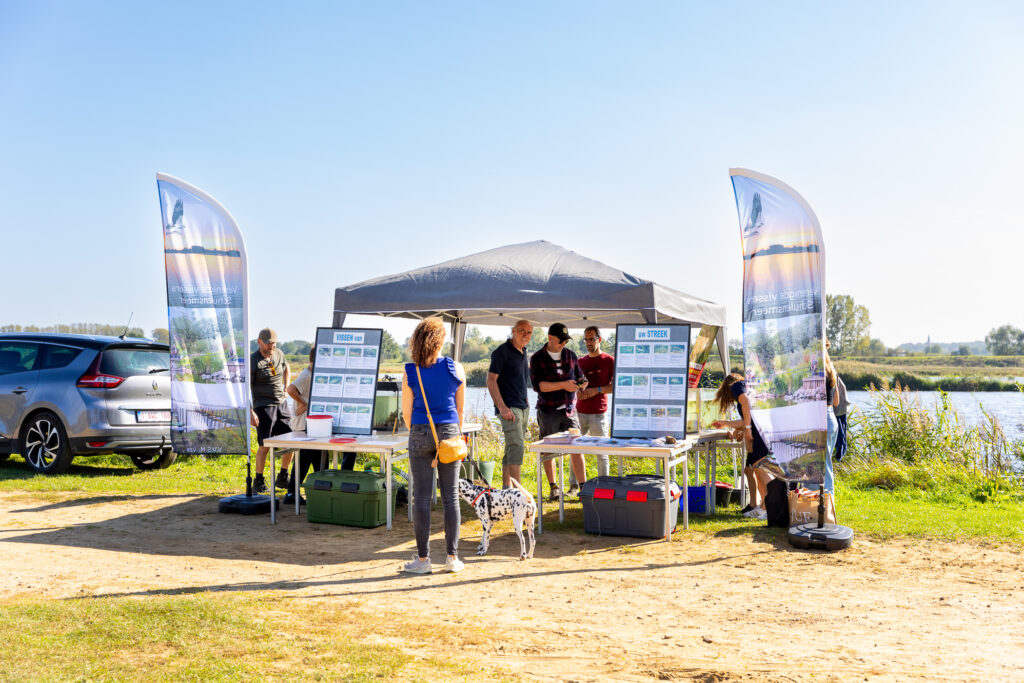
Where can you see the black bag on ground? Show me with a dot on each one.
(776, 503)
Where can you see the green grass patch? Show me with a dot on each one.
(225, 637)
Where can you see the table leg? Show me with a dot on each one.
(540, 497)
(387, 485)
(296, 468)
(620, 466)
(708, 501)
(668, 501)
(273, 488)
(686, 494)
(561, 488)
(714, 476)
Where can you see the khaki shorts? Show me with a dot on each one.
(515, 436)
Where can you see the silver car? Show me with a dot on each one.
(63, 395)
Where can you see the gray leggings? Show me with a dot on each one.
(421, 454)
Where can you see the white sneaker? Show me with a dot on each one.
(755, 513)
(762, 514)
(417, 566)
(454, 565)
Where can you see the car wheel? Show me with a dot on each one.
(154, 461)
(44, 444)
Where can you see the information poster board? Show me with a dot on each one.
(651, 369)
(344, 386)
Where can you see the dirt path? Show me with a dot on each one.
(736, 606)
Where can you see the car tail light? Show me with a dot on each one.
(95, 444)
(94, 379)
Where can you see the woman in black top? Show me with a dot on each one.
(734, 391)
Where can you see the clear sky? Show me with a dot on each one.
(356, 139)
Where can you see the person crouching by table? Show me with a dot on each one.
(734, 392)
(444, 382)
(556, 376)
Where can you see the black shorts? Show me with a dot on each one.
(754, 457)
(273, 420)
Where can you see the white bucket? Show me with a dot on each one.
(318, 425)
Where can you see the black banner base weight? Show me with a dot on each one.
(246, 505)
(827, 537)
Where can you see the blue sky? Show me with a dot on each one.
(351, 140)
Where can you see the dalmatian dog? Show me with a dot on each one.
(492, 505)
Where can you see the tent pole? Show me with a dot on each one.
(458, 339)
(723, 348)
(339, 320)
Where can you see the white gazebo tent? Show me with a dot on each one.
(539, 281)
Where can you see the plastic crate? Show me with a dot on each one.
(628, 506)
(346, 497)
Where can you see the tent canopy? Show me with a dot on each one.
(539, 281)
(536, 280)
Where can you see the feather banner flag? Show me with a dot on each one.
(783, 321)
(207, 298)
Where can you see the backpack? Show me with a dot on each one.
(776, 503)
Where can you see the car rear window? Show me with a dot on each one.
(57, 356)
(131, 362)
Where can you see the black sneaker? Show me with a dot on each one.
(289, 499)
(746, 509)
(259, 485)
(282, 480)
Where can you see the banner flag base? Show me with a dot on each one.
(246, 504)
(825, 537)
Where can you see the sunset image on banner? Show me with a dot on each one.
(783, 324)
(206, 286)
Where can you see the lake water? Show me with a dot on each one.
(1008, 406)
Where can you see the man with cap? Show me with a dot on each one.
(268, 377)
(556, 376)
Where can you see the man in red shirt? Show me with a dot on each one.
(592, 402)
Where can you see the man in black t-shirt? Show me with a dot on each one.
(507, 381)
(268, 377)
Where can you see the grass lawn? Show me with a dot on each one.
(239, 636)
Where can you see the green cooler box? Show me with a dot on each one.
(346, 497)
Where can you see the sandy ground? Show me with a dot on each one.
(738, 605)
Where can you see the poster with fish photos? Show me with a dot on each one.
(345, 368)
(650, 381)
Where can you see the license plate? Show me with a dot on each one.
(152, 416)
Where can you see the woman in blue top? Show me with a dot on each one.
(734, 391)
(444, 381)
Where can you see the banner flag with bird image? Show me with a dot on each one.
(783, 321)
(207, 298)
